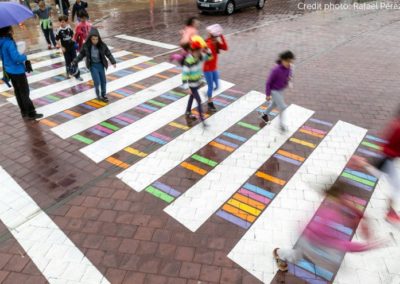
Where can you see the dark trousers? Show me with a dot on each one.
(49, 36)
(98, 73)
(195, 95)
(21, 90)
(69, 56)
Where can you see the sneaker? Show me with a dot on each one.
(392, 217)
(265, 118)
(104, 99)
(211, 107)
(189, 115)
(35, 116)
(282, 265)
(79, 79)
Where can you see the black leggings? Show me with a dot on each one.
(69, 56)
(21, 90)
(195, 95)
(49, 35)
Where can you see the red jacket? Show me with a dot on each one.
(211, 65)
(392, 148)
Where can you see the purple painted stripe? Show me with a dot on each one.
(48, 100)
(40, 102)
(304, 274)
(87, 106)
(321, 122)
(226, 143)
(125, 118)
(66, 115)
(286, 159)
(356, 199)
(234, 91)
(103, 129)
(254, 196)
(233, 219)
(163, 137)
(356, 184)
(97, 132)
(64, 94)
(314, 130)
(119, 121)
(143, 109)
(134, 117)
(166, 189)
(369, 153)
(221, 100)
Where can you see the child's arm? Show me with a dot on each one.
(110, 56)
(81, 55)
(84, 4)
(270, 80)
(223, 45)
(185, 74)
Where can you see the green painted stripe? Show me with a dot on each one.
(160, 194)
(156, 103)
(83, 139)
(371, 145)
(177, 93)
(53, 97)
(109, 126)
(204, 160)
(249, 126)
(358, 179)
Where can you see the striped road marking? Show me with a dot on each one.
(146, 41)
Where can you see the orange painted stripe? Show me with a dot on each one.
(311, 133)
(174, 71)
(206, 115)
(162, 76)
(239, 213)
(220, 146)
(6, 94)
(270, 178)
(138, 68)
(139, 86)
(290, 155)
(194, 168)
(117, 95)
(249, 201)
(48, 122)
(94, 104)
(73, 113)
(117, 162)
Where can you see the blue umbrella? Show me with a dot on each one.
(13, 13)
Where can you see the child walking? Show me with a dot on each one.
(215, 43)
(44, 15)
(277, 82)
(96, 53)
(79, 7)
(65, 36)
(82, 30)
(191, 29)
(192, 76)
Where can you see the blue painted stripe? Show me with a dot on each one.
(334, 225)
(219, 103)
(233, 219)
(98, 132)
(234, 136)
(286, 159)
(66, 115)
(369, 153)
(377, 139)
(321, 122)
(120, 122)
(356, 184)
(227, 97)
(169, 97)
(227, 143)
(146, 106)
(121, 92)
(311, 278)
(259, 190)
(361, 175)
(155, 139)
(315, 269)
(166, 189)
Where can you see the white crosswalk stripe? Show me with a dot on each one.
(53, 253)
(100, 150)
(80, 98)
(148, 42)
(39, 54)
(279, 225)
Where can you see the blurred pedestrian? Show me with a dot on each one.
(64, 9)
(277, 82)
(82, 29)
(191, 29)
(44, 15)
(14, 68)
(65, 36)
(96, 53)
(215, 42)
(77, 8)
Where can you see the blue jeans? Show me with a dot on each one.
(98, 73)
(212, 79)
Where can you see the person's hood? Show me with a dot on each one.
(94, 32)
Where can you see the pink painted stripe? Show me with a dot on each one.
(163, 137)
(314, 130)
(255, 196)
(101, 128)
(356, 199)
(40, 102)
(221, 100)
(64, 94)
(234, 91)
(144, 109)
(126, 119)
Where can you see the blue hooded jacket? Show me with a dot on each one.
(13, 61)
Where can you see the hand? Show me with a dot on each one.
(63, 49)
(268, 98)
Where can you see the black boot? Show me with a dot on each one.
(35, 116)
(211, 107)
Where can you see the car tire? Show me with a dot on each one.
(260, 4)
(230, 8)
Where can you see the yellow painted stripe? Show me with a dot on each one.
(178, 125)
(220, 146)
(48, 122)
(311, 133)
(117, 162)
(73, 113)
(244, 207)
(138, 68)
(249, 201)
(270, 178)
(238, 213)
(135, 152)
(6, 94)
(194, 168)
(195, 112)
(302, 142)
(291, 156)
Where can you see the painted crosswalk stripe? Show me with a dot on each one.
(38, 54)
(60, 86)
(187, 144)
(92, 118)
(80, 98)
(146, 41)
(53, 253)
(197, 204)
(278, 226)
(117, 141)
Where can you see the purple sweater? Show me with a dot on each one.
(278, 79)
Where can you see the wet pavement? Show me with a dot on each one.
(174, 203)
